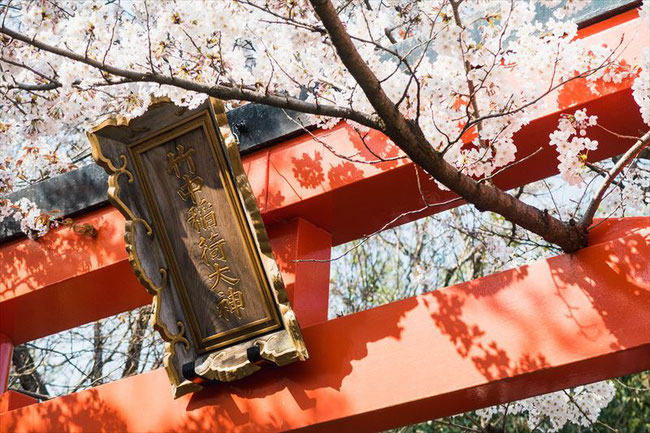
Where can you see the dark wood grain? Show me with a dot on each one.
(208, 322)
(216, 223)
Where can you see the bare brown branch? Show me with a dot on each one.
(627, 157)
(411, 140)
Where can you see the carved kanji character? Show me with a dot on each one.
(201, 216)
(212, 249)
(190, 187)
(220, 274)
(174, 160)
(231, 304)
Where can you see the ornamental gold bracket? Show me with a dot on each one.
(193, 226)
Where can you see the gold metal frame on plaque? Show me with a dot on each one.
(279, 349)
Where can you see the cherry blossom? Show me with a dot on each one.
(579, 406)
(572, 144)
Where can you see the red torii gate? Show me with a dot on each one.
(552, 324)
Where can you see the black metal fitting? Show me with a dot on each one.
(190, 374)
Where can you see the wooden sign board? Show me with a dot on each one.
(196, 241)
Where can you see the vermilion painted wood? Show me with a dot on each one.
(306, 180)
(6, 350)
(307, 283)
(552, 324)
(65, 280)
(10, 400)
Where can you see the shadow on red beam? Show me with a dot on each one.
(65, 280)
(497, 392)
(352, 200)
(10, 400)
(538, 328)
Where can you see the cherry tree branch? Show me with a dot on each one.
(627, 157)
(218, 91)
(52, 83)
(410, 138)
(33, 87)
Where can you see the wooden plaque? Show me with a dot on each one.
(196, 241)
